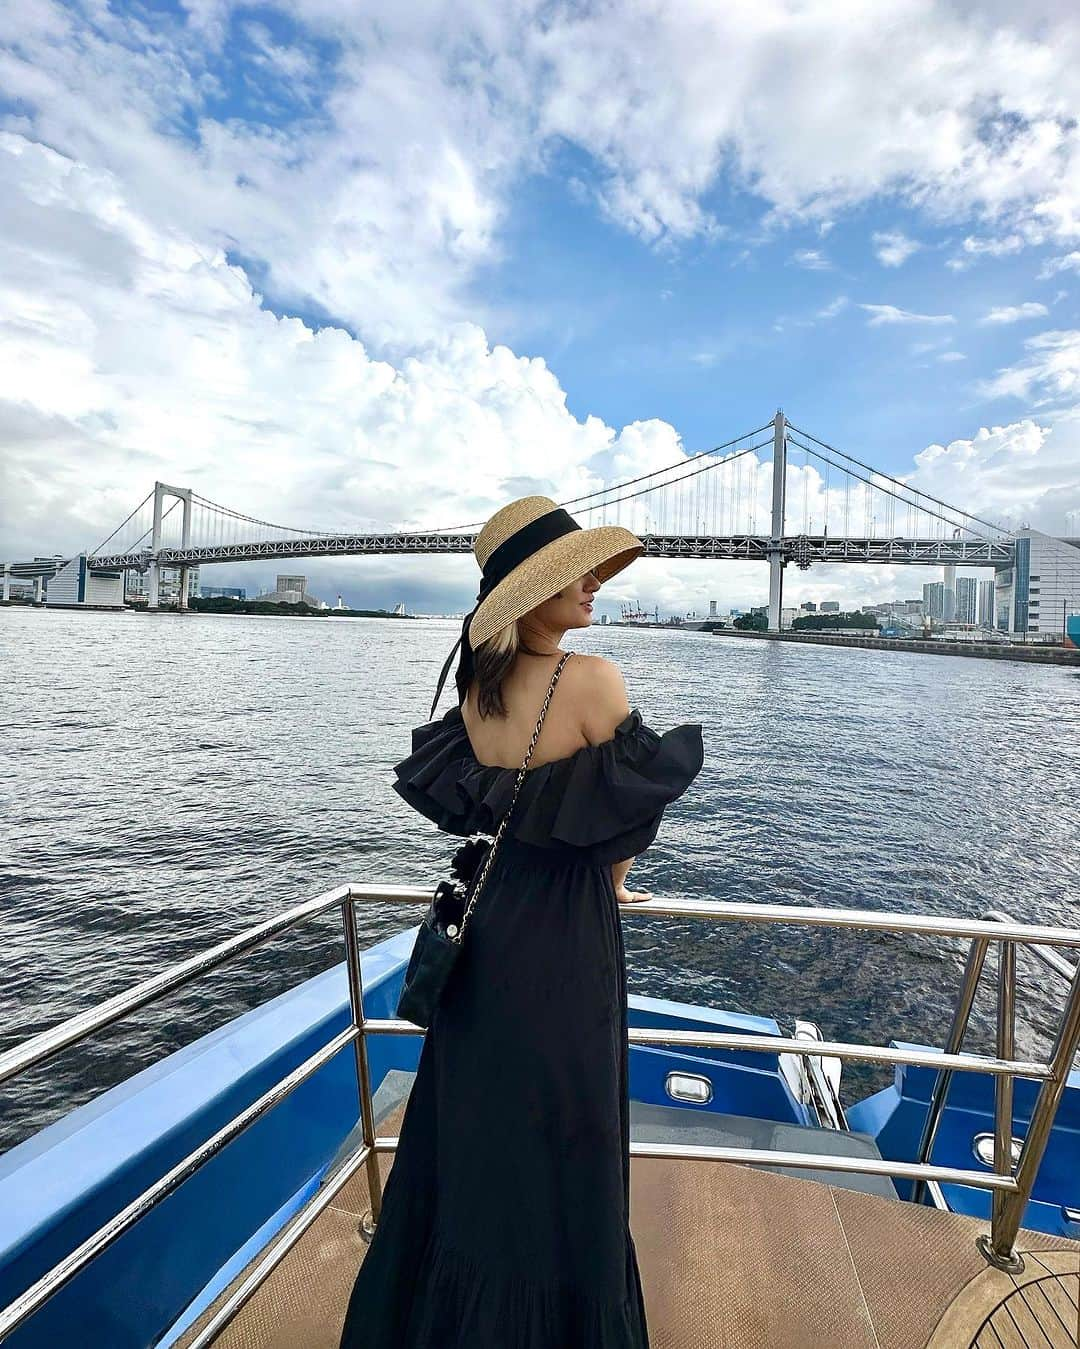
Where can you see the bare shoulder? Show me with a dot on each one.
(598, 692)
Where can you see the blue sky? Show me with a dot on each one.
(714, 341)
(339, 263)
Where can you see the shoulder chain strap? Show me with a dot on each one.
(517, 787)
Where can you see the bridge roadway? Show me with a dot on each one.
(801, 549)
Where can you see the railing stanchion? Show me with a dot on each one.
(1003, 1085)
(1007, 1220)
(973, 968)
(363, 1072)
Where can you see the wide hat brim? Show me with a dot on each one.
(604, 549)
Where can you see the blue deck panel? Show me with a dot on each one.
(744, 1083)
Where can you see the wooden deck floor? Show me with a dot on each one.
(733, 1258)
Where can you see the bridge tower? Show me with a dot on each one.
(776, 541)
(183, 494)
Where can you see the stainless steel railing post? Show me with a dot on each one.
(1003, 1085)
(1007, 1220)
(363, 1071)
(973, 968)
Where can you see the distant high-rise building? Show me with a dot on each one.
(948, 598)
(986, 603)
(298, 583)
(966, 599)
(830, 606)
(933, 598)
(808, 607)
(712, 608)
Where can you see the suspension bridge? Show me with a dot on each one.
(776, 494)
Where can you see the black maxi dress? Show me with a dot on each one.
(505, 1218)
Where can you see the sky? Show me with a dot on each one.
(345, 264)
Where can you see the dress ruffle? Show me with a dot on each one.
(466, 1302)
(602, 798)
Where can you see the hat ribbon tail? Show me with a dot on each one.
(446, 664)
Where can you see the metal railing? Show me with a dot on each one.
(1010, 1187)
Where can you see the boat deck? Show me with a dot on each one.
(740, 1258)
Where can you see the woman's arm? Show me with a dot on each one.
(605, 705)
(622, 894)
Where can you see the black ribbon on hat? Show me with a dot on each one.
(509, 554)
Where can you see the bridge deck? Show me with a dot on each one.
(801, 549)
(734, 1258)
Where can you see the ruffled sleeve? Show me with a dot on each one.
(608, 799)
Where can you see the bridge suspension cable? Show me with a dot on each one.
(899, 482)
(123, 523)
(630, 482)
(682, 478)
(879, 487)
(254, 520)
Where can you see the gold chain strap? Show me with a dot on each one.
(517, 787)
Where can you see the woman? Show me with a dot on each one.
(504, 1222)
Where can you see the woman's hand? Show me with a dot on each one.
(625, 896)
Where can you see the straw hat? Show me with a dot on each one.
(531, 549)
(528, 551)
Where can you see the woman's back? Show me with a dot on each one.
(590, 702)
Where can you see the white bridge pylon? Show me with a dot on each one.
(183, 495)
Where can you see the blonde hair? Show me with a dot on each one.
(493, 660)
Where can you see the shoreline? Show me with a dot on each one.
(1033, 654)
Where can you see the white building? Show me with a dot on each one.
(1032, 598)
(137, 584)
(75, 586)
(291, 590)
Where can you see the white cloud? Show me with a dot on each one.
(1051, 372)
(1069, 262)
(378, 149)
(1019, 473)
(889, 313)
(893, 248)
(128, 354)
(368, 184)
(1014, 313)
(956, 114)
(834, 307)
(975, 247)
(812, 259)
(952, 356)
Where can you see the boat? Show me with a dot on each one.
(225, 1194)
(1072, 630)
